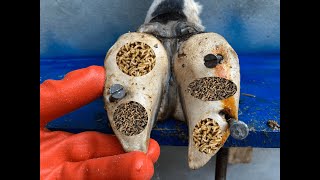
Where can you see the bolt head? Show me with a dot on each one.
(117, 91)
(239, 130)
(211, 60)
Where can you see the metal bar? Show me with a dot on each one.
(221, 164)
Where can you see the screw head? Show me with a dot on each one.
(211, 60)
(117, 91)
(238, 129)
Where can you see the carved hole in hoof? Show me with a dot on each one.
(136, 59)
(130, 118)
(212, 88)
(207, 136)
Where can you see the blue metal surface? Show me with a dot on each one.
(260, 76)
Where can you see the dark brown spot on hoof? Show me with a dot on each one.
(181, 55)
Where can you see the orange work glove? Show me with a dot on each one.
(87, 155)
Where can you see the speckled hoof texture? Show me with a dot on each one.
(206, 90)
(212, 88)
(130, 118)
(136, 58)
(139, 63)
(207, 135)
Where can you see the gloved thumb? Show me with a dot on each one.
(76, 89)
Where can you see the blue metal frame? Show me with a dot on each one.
(260, 76)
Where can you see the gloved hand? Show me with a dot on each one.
(87, 155)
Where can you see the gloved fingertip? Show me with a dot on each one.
(94, 69)
(142, 167)
(98, 72)
(153, 150)
(76, 89)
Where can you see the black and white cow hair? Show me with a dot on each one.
(188, 10)
(172, 22)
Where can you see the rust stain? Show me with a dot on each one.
(223, 139)
(225, 136)
(220, 71)
(222, 50)
(230, 106)
(223, 70)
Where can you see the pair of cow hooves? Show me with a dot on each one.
(206, 70)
